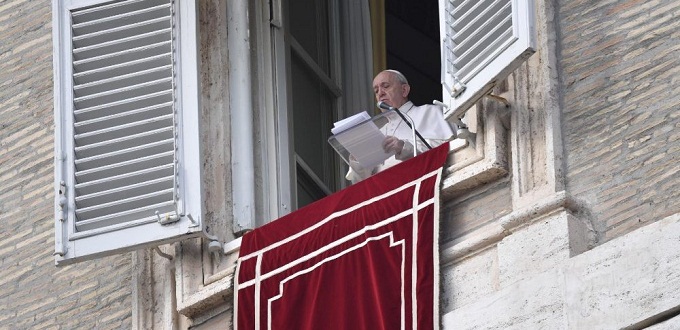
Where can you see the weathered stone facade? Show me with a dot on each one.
(575, 223)
(34, 294)
(619, 72)
(583, 234)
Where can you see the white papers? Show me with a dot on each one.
(363, 142)
(348, 122)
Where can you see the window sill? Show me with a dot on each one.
(483, 159)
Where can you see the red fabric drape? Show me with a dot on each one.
(363, 258)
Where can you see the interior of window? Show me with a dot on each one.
(315, 96)
(412, 46)
(407, 40)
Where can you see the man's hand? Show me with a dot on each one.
(354, 163)
(391, 143)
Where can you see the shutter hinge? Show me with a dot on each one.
(162, 254)
(499, 99)
(59, 247)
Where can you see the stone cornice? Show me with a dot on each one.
(491, 234)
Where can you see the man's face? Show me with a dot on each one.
(389, 89)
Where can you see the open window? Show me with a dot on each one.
(477, 43)
(303, 87)
(127, 165)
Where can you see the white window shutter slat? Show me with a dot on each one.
(483, 41)
(127, 160)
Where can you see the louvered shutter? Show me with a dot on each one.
(483, 41)
(126, 125)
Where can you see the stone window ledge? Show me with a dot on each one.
(216, 289)
(482, 158)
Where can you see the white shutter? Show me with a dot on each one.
(126, 125)
(483, 41)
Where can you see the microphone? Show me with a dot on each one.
(385, 106)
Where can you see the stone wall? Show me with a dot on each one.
(630, 282)
(599, 106)
(620, 68)
(586, 235)
(34, 293)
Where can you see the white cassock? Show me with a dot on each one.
(430, 123)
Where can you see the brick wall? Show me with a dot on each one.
(620, 69)
(34, 294)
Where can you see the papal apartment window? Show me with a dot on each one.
(451, 51)
(476, 46)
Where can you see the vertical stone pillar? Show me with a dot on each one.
(542, 224)
(153, 290)
(537, 150)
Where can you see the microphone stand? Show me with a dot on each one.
(409, 122)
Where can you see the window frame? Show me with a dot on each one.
(284, 47)
(485, 156)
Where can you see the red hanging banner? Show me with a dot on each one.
(363, 258)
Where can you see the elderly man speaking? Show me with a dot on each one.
(392, 88)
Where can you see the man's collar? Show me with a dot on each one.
(406, 106)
